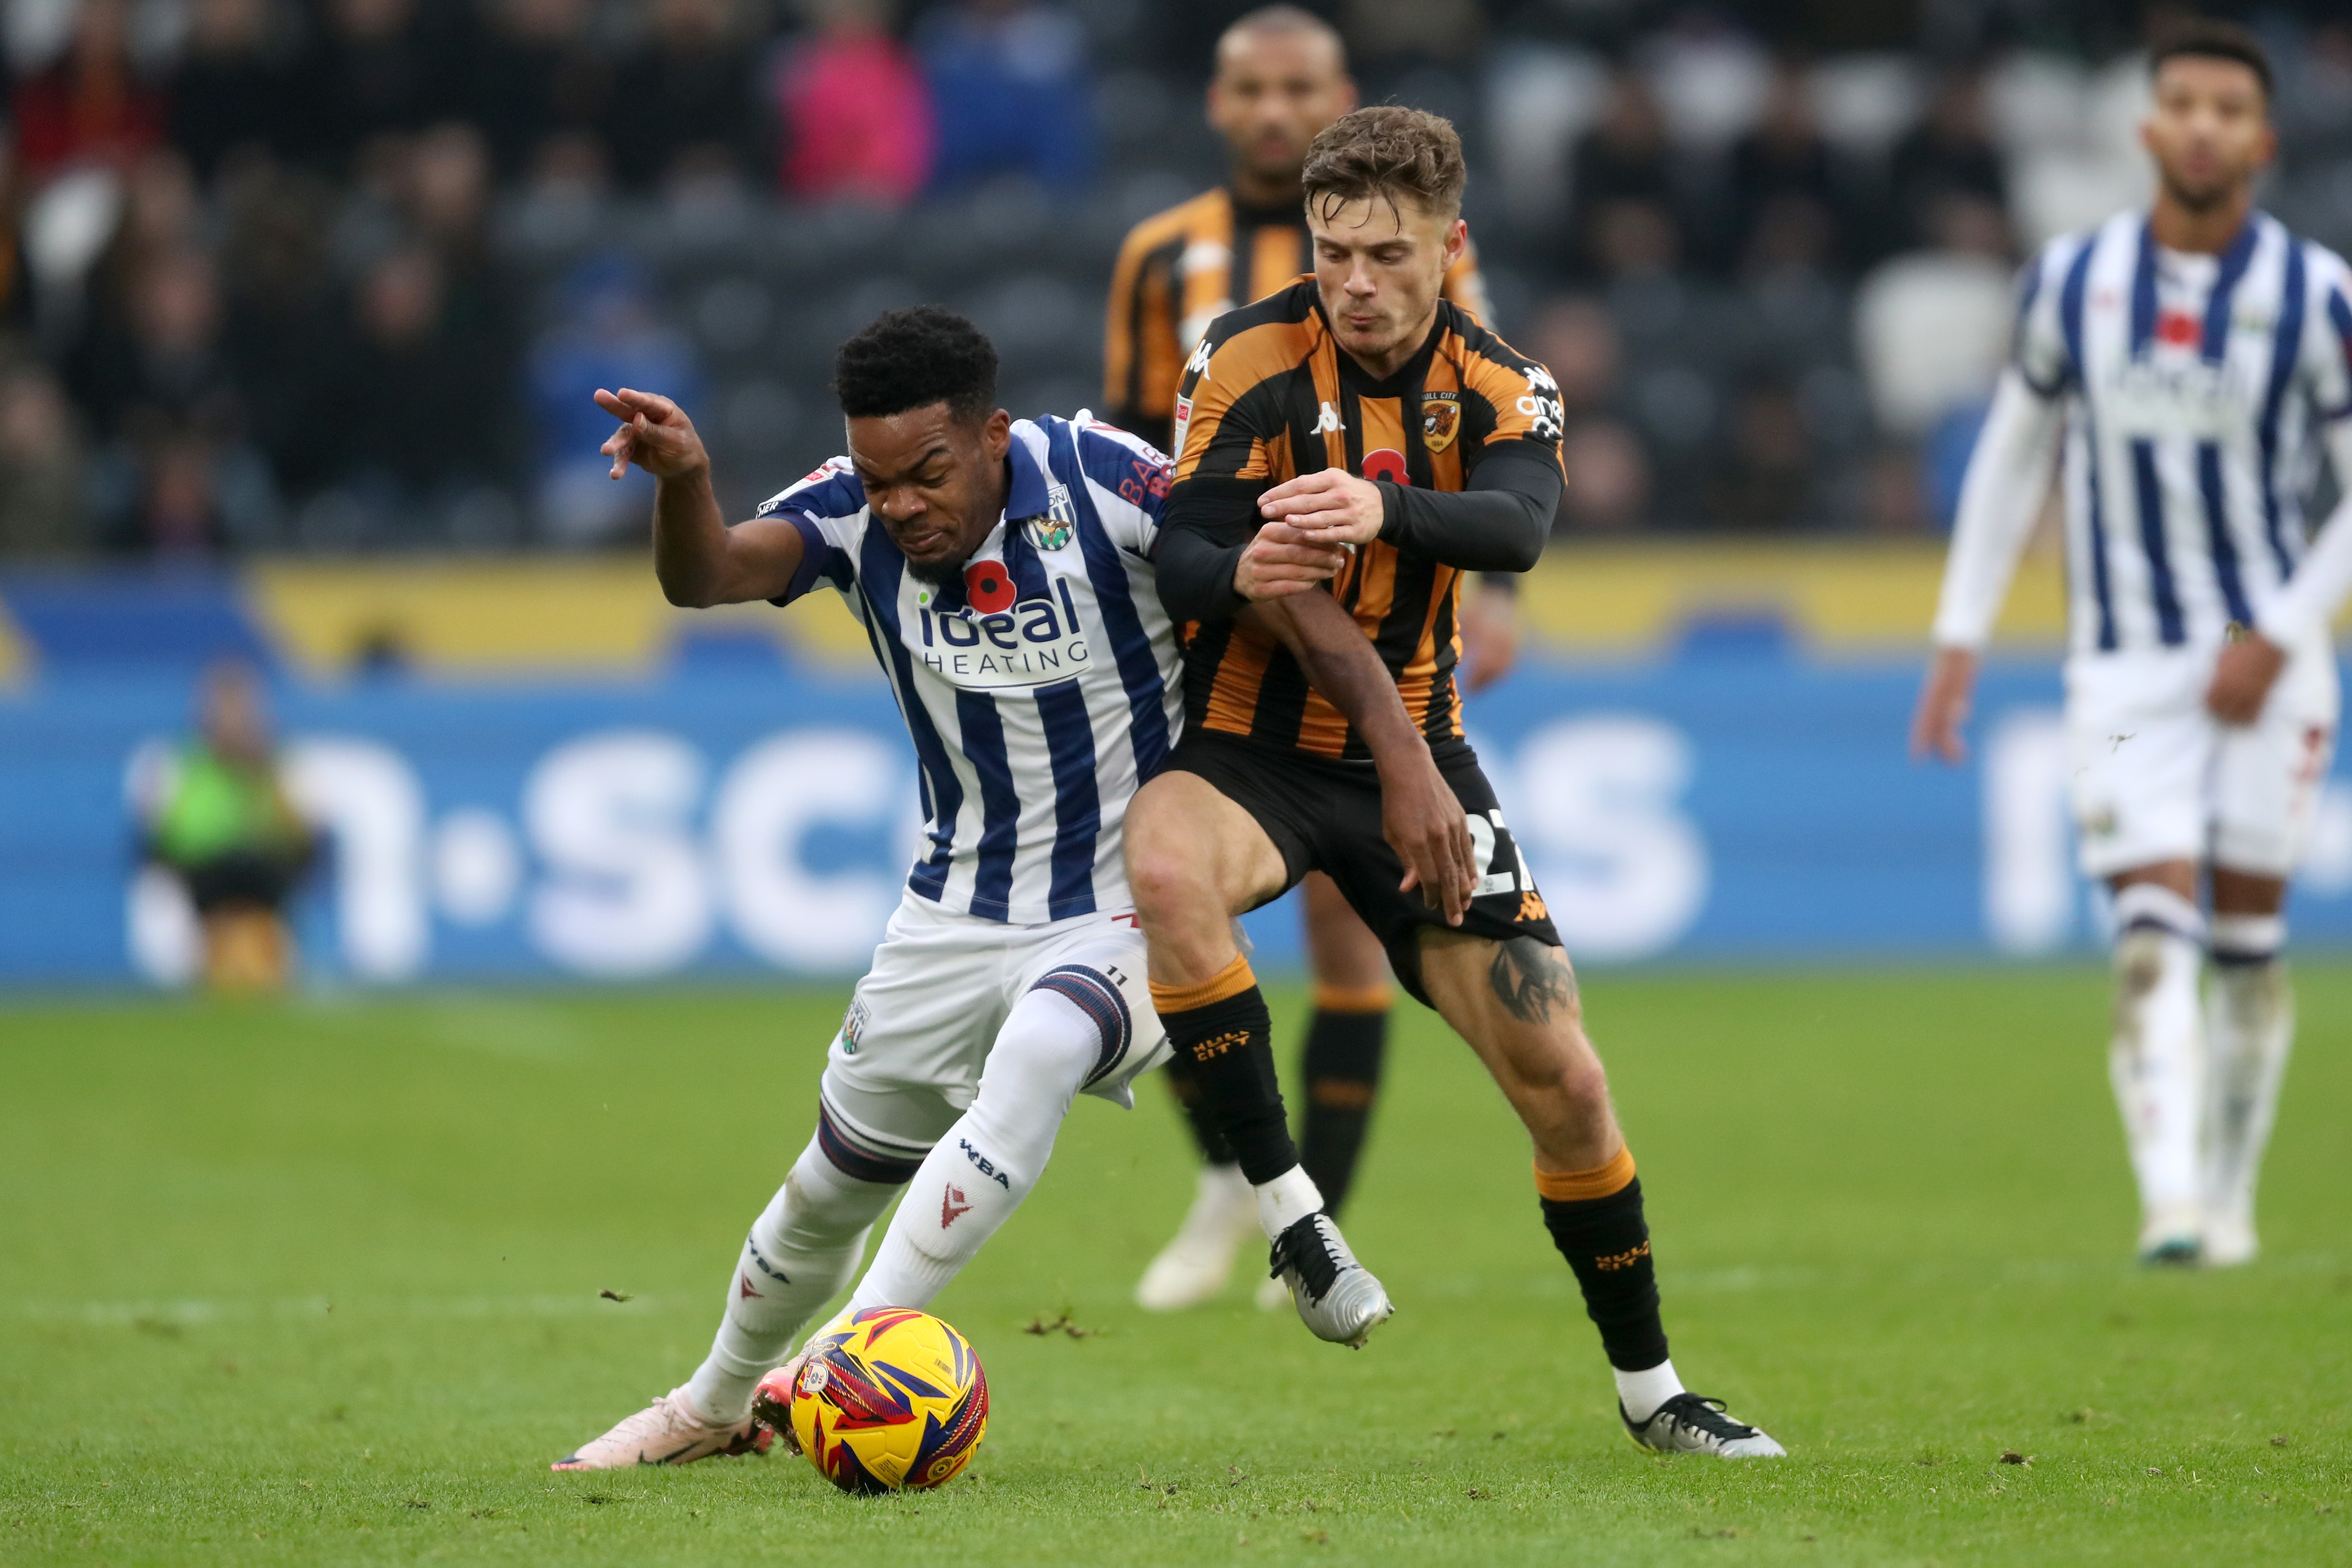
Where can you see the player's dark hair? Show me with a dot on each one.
(1389, 153)
(2208, 39)
(914, 358)
(1284, 19)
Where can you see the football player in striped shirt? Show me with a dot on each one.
(1281, 77)
(2191, 362)
(1002, 572)
(1361, 408)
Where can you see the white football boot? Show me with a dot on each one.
(1338, 1298)
(2229, 1239)
(1689, 1424)
(2171, 1236)
(667, 1432)
(1193, 1268)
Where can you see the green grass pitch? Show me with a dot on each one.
(322, 1281)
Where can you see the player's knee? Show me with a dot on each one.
(1166, 882)
(1569, 1078)
(1050, 1037)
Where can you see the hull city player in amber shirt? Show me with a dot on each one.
(1281, 77)
(1353, 446)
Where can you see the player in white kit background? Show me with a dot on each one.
(1002, 572)
(2191, 363)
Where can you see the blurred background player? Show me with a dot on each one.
(1281, 75)
(219, 820)
(2190, 356)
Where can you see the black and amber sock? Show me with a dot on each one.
(1345, 1042)
(1595, 1220)
(1185, 1085)
(1223, 1033)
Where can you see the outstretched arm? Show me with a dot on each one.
(1419, 815)
(700, 560)
(2008, 477)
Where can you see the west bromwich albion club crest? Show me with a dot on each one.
(1441, 421)
(1053, 530)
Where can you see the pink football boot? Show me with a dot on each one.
(667, 1432)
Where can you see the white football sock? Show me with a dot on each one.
(2250, 1020)
(804, 1248)
(1641, 1392)
(991, 1159)
(2157, 1055)
(1286, 1200)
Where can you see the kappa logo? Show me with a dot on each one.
(951, 1204)
(1199, 364)
(1327, 421)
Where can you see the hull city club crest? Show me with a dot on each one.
(1441, 421)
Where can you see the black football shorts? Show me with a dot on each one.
(1325, 816)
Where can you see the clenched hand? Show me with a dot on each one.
(1282, 561)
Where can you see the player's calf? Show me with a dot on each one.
(2156, 1060)
(2249, 1033)
(989, 1161)
(1516, 1003)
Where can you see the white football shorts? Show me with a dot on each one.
(2157, 777)
(907, 1060)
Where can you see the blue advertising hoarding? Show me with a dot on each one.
(755, 817)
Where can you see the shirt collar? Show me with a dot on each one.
(1027, 495)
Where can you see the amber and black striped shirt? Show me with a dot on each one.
(1267, 396)
(1180, 270)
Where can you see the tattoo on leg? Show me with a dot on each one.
(1531, 979)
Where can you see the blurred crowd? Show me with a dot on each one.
(336, 275)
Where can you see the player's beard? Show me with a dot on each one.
(939, 573)
(2203, 197)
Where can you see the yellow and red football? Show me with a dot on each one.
(887, 1399)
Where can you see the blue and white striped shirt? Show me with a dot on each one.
(2193, 387)
(1041, 687)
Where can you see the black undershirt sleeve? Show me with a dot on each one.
(1208, 524)
(1498, 524)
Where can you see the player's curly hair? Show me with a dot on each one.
(914, 358)
(1386, 152)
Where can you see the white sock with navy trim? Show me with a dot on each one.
(2250, 1027)
(991, 1159)
(2157, 1056)
(802, 1250)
